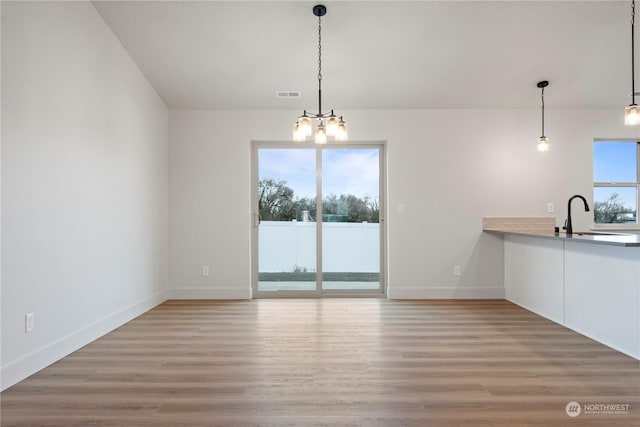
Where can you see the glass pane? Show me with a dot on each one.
(615, 205)
(351, 219)
(287, 233)
(614, 162)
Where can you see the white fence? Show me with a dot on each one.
(291, 246)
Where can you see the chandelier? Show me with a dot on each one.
(328, 124)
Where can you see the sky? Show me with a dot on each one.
(344, 171)
(615, 162)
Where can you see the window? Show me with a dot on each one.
(615, 182)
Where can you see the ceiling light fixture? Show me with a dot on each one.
(632, 112)
(543, 141)
(335, 126)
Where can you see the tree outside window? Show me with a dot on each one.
(277, 202)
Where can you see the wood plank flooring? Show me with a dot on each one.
(331, 362)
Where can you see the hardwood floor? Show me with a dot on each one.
(331, 362)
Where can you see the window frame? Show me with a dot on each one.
(617, 226)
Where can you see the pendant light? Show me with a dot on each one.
(543, 141)
(328, 124)
(632, 112)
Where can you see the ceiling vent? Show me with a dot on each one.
(288, 94)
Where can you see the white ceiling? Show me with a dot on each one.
(380, 54)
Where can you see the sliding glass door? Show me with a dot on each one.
(317, 222)
(351, 219)
(286, 191)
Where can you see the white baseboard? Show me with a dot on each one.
(209, 293)
(445, 293)
(35, 361)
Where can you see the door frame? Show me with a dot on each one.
(254, 220)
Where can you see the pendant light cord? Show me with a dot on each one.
(542, 99)
(319, 65)
(633, 21)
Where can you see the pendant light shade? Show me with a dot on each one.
(632, 115)
(543, 141)
(334, 127)
(543, 144)
(632, 112)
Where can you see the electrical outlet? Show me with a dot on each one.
(205, 271)
(551, 207)
(400, 208)
(457, 271)
(29, 322)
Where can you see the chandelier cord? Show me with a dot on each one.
(319, 65)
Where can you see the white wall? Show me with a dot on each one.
(84, 184)
(448, 167)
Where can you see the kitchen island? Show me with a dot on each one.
(587, 282)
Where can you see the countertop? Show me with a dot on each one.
(599, 238)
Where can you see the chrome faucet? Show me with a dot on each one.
(567, 223)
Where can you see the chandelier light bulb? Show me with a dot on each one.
(297, 135)
(332, 125)
(321, 134)
(304, 125)
(343, 131)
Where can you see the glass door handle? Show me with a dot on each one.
(256, 220)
